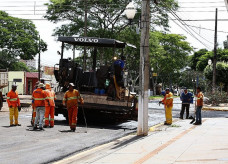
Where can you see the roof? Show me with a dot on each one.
(93, 41)
(32, 75)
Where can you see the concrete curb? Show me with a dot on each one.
(215, 109)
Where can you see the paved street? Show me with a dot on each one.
(19, 145)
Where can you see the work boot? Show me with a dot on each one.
(181, 118)
(12, 125)
(45, 126)
(73, 129)
(197, 123)
(41, 128)
(18, 125)
(35, 128)
(51, 126)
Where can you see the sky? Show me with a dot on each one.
(198, 36)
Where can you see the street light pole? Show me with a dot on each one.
(215, 53)
(144, 69)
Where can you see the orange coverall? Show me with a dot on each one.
(13, 103)
(168, 102)
(49, 106)
(71, 99)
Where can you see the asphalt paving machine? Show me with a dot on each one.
(99, 87)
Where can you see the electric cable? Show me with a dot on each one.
(186, 29)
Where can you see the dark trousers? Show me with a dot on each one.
(185, 106)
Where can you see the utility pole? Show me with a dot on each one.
(39, 61)
(144, 70)
(215, 52)
(85, 34)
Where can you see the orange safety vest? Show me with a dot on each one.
(71, 98)
(169, 99)
(50, 99)
(39, 97)
(13, 99)
(199, 97)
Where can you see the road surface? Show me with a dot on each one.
(20, 145)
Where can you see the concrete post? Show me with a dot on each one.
(144, 69)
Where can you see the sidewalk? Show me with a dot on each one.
(180, 143)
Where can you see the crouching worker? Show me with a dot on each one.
(70, 100)
(49, 106)
(39, 97)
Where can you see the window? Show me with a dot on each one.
(17, 80)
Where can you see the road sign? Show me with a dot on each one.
(155, 74)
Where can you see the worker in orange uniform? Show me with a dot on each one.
(13, 103)
(70, 100)
(33, 106)
(199, 106)
(168, 102)
(39, 97)
(49, 106)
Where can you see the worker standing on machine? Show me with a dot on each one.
(118, 77)
(49, 106)
(70, 100)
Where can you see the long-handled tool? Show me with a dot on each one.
(84, 118)
(194, 117)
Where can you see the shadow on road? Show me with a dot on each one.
(8, 126)
(134, 139)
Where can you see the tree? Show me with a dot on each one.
(195, 58)
(106, 19)
(168, 54)
(199, 60)
(19, 37)
(10, 63)
(221, 73)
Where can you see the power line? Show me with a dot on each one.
(199, 20)
(186, 27)
(202, 7)
(180, 20)
(202, 11)
(207, 29)
(203, 2)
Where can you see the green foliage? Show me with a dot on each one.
(221, 73)
(195, 58)
(11, 63)
(19, 66)
(169, 52)
(203, 61)
(106, 19)
(132, 55)
(19, 37)
(199, 60)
